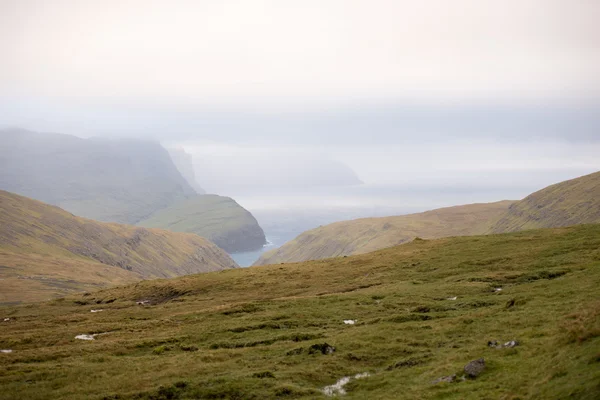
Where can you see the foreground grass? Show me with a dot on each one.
(249, 334)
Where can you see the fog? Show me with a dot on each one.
(337, 108)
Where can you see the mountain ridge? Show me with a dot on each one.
(120, 181)
(566, 203)
(34, 230)
(363, 235)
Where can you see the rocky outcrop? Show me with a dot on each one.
(184, 163)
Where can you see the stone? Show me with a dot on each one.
(475, 368)
(323, 348)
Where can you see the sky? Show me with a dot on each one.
(465, 92)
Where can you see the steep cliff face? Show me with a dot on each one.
(217, 218)
(46, 251)
(184, 163)
(107, 180)
(576, 201)
(369, 234)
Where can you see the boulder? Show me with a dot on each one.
(475, 368)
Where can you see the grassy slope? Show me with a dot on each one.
(56, 252)
(369, 234)
(572, 202)
(217, 218)
(252, 327)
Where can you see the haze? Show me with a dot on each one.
(471, 95)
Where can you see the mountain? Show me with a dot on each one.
(572, 202)
(185, 165)
(217, 218)
(393, 322)
(107, 180)
(47, 252)
(369, 234)
(576, 201)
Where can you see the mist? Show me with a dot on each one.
(311, 112)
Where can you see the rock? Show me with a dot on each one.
(85, 337)
(449, 379)
(349, 321)
(510, 344)
(6, 351)
(94, 311)
(338, 387)
(475, 368)
(498, 289)
(323, 348)
(452, 298)
(142, 302)
(6, 319)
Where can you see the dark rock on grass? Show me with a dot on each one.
(475, 368)
(323, 348)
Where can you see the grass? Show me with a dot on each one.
(576, 201)
(47, 252)
(264, 332)
(369, 234)
(217, 218)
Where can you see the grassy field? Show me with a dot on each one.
(47, 252)
(261, 333)
(364, 235)
(219, 219)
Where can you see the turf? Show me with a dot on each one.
(260, 333)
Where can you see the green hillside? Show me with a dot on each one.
(120, 181)
(572, 202)
(217, 218)
(368, 234)
(422, 311)
(47, 252)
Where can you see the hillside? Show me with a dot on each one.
(576, 201)
(107, 180)
(47, 252)
(421, 312)
(217, 218)
(369, 234)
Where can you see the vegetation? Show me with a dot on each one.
(47, 252)
(369, 234)
(120, 181)
(572, 202)
(217, 218)
(277, 331)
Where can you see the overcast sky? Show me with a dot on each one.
(465, 84)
